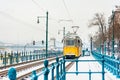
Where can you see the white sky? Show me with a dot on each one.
(18, 18)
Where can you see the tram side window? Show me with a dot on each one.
(79, 42)
(69, 42)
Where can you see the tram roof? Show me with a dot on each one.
(72, 35)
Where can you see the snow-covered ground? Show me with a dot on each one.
(85, 67)
(82, 67)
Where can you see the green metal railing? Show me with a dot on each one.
(88, 72)
(111, 64)
(19, 57)
(61, 72)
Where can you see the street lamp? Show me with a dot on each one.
(113, 41)
(113, 13)
(91, 43)
(46, 30)
(64, 20)
(113, 17)
(25, 47)
(63, 32)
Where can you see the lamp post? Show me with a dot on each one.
(65, 20)
(25, 47)
(113, 13)
(105, 47)
(63, 32)
(91, 44)
(113, 17)
(46, 30)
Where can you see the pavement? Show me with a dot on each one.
(85, 67)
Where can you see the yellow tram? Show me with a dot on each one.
(72, 45)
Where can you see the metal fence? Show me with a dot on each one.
(87, 72)
(111, 64)
(19, 57)
(60, 75)
(59, 68)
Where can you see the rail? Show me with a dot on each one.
(87, 72)
(61, 71)
(112, 65)
(25, 66)
(16, 58)
(59, 65)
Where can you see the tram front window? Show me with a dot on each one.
(69, 42)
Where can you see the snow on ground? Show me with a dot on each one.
(26, 70)
(85, 67)
(82, 66)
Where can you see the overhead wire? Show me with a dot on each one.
(7, 15)
(66, 9)
(53, 19)
(25, 23)
(38, 5)
(56, 20)
(19, 21)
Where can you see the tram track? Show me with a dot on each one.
(17, 64)
(68, 66)
(20, 63)
(24, 66)
(40, 69)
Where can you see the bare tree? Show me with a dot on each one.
(116, 25)
(99, 21)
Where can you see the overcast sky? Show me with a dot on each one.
(18, 18)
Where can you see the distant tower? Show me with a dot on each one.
(52, 43)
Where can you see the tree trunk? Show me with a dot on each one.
(108, 48)
(119, 46)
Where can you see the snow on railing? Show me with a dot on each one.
(111, 64)
(59, 64)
